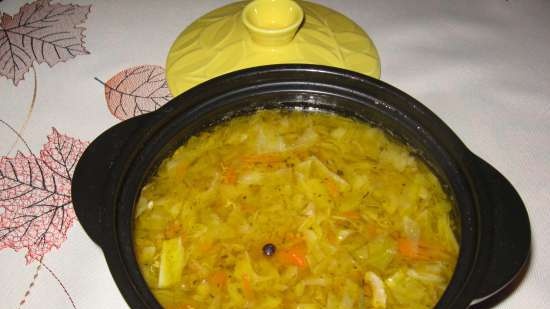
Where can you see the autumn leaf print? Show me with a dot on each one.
(35, 196)
(41, 32)
(136, 91)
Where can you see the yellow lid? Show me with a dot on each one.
(247, 34)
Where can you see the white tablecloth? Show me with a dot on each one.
(482, 66)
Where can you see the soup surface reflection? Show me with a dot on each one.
(295, 210)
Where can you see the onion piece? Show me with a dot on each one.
(378, 291)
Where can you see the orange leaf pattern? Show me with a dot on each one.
(136, 91)
(35, 196)
(41, 32)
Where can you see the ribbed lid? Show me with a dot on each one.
(247, 34)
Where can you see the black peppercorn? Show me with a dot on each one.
(269, 249)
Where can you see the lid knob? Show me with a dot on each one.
(272, 22)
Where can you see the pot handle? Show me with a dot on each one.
(92, 173)
(511, 233)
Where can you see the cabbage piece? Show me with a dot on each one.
(202, 291)
(309, 137)
(381, 252)
(351, 293)
(308, 306)
(268, 141)
(244, 268)
(147, 254)
(236, 297)
(361, 253)
(411, 229)
(299, 289)
(426, 277)
(324, 171)
(142, 205)
(171, 263)
(332, 301)
(251, 178)
(303, 169)
(446, 234)
(317, 281)
(316, 192)
(398, 157)
(407, 290)
(338, 133)
(343, 234)
(270, 303)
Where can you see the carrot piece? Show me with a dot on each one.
(247, 287)
(367, 290)
(205, 246)
(417, 250)
(218, 278)
(181, 169)
(265, 158)
(408, 248)
(372, 230)
(295, 255)
(173, 229)
(332, 188)
(301, 154)
(229, 175)
(434, 252)
(352, 214)
(247, 208)
(332, 238)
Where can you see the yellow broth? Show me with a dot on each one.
(295, 210)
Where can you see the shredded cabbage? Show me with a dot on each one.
(357, 220)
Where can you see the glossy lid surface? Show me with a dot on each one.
(247, 34)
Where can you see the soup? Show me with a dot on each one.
(289, 209)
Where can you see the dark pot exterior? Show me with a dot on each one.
(494, 225)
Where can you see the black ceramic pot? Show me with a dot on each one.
(494, 228)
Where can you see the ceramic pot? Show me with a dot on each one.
(494, 229)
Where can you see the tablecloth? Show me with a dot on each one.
(482, 66)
